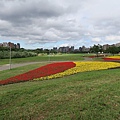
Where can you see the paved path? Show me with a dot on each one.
(7, 66)
(87, 59)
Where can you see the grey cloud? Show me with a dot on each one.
(45, 21)
(30, 9)
(108, 27)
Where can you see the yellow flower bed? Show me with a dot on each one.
(82, 67)
(114, 57)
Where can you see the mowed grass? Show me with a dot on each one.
(91, 95)
(62, 57)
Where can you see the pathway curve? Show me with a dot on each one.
(7, 66)
(87, 59)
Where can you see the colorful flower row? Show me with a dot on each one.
(59, 69)
(43, 71)
(82, 67)
(118, 57)
(112, 58)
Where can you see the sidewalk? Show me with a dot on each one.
(7, 66)
(87, 59)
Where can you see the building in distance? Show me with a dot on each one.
(10, 44)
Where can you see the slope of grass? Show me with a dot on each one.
(63, 57)
(85, 96)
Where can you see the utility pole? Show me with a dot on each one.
(49, 56)
(10, 59)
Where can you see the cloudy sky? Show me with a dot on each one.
(55, 23)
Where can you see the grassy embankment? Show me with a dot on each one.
(62, 57)
(84, 96)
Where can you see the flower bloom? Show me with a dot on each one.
(43, 71)
(59, 69)
(82, 67)
(112, 58)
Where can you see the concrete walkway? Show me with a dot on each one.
(7, 66)
(87, 59)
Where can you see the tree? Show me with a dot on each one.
(47, 51)
(96, 49)
(38, 50)
(113, 50)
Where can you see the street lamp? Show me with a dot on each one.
(10, 59)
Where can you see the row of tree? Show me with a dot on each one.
(98, 49)
(16, 54)
(20, 53)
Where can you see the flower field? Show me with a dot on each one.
(83, 67)
(59, 69)
(112, 58)
(40, 72)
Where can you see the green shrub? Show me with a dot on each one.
(16, 54)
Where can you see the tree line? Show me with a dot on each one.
(22, 53)
(15, 53)
(99, 49)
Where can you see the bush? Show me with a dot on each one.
(14, 54)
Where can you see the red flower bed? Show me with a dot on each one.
(111, 59)
(92, 56)
(43, 71)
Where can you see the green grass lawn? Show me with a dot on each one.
(84, 96)
(62, 57)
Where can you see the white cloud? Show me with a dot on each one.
(65, 45)
(112, 38)
(46, 21)
(96, 40)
